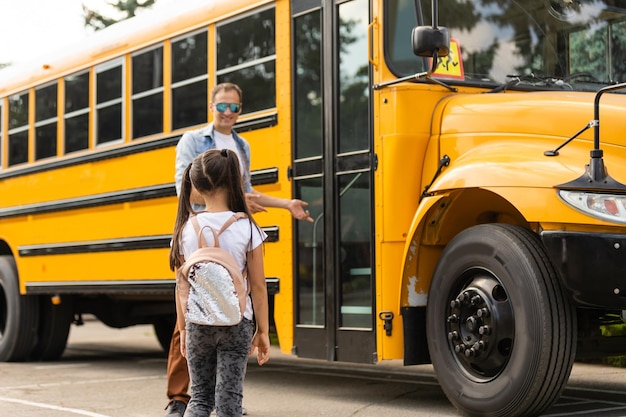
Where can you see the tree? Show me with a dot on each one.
(128, 8)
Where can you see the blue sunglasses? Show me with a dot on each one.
(234, 107)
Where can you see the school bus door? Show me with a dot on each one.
(333, 171)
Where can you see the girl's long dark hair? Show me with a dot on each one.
(209, 171)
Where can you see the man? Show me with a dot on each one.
(226, 103)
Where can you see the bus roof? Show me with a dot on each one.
(133, 34)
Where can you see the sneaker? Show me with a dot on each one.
(175, 409)
(244, 411)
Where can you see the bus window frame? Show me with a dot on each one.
(2, 135)
(77, 113)
(19, 129)
(103, 67)
(149, 92)
(46, 122)
(248, 64)
(174, 85)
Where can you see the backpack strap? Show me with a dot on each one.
(201, 240)
(227, 223)
(231, 220)
(237, 216)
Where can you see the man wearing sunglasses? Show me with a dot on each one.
(225, 105)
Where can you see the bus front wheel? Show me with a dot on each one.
(19, 315)
(501, 329)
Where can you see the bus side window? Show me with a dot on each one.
(189, 80)
(248, 45)
(76, 112)
(147, 97)
(1, 132)
(18, 129)
(109, 102)
(46, 121)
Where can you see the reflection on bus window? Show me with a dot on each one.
(310, 255)
(18, 129)
(354, 80)
(189, 80)
(400, 21)
(246, 55)
(76, 112)
(46, 121)
(308, 85)
(1, 134)
(546, 44)
(147, 71)
(355, 259)
(109, 104)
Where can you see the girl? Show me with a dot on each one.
(217, 355)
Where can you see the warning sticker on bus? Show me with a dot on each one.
(451, 66)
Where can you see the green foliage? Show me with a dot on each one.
(128, 8)
(614, 330)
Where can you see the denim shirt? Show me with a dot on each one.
(195, 142)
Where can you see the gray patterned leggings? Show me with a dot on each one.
(217, 357)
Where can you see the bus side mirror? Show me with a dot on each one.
(427, 39)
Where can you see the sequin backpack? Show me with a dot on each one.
(211, 285)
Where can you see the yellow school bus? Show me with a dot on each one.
(464, 163)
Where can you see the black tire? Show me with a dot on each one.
(164, 328)
(19, 315)
(54, 328)
(501, 329)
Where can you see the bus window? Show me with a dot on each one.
(109, 102)
(189, 80)
(308, 85)
(18, 129)
(246, 55)
(400, 21)
(354, 79)
(1, 133)
(147, 80)
(618, 42)
(591, 51)
(46, 121)
(561, 45)
(76, 112)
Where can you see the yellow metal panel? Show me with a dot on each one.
(388, 299)
(104, 176)
(401, 187)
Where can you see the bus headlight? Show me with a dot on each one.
(609, 207)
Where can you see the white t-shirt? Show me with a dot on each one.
(235, 240)
(228, 142)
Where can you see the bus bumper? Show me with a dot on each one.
(592, 266)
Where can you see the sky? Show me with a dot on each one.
(29, 28)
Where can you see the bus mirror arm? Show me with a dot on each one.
(596, 176)
(555, 151)
(417, 76)
(413, 77)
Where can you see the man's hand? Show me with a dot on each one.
(296, 207)
(253, 206)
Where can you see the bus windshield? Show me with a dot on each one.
(548, 44)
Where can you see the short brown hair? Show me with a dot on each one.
(227, 87)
